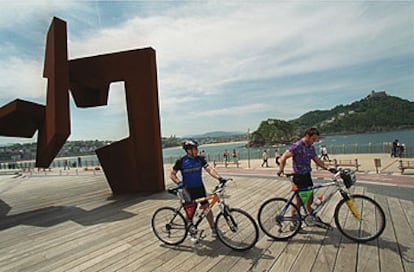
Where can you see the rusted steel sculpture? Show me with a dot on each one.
(131, 165)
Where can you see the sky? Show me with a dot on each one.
(221, 65)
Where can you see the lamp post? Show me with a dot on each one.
(248, 148)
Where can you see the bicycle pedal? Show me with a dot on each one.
(194, 240)
(324, 225)
(202, 235)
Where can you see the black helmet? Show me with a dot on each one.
(189, 143)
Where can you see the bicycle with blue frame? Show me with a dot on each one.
(358, 217)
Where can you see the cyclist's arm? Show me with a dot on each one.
(283, 159)
(173, 176)
(320, 162)
(174, 171)
(212, 172)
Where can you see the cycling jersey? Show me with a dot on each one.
(302, 155)
(191, 170)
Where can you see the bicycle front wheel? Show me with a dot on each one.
(360, 219)
(278, 219)
(169, 226)
(236, 229)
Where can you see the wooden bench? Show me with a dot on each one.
(226, 163)
(406, 165)
(348, 163)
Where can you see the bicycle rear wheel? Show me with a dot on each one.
(236, 229)
(169, 226)
(368, 226)
(278, 219)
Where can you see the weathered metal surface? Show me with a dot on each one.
(21, 118)
(131, 165)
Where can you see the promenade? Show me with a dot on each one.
(69, 221)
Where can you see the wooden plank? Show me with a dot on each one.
(389, 254)
(368, 259)
(314, 255)
(348, 249)
(403, 233)
(408, 207)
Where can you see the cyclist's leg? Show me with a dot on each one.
(303, 181)
(189, 205)
(198, 192)
(209, 216)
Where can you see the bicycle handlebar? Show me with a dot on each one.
(219, 187)
(283, 175)
(335, 172)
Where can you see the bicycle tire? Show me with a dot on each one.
(275, 224)
(169, 226)
(369, 228)
(236, 229)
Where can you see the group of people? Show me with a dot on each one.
(265, 158)
(191, 165)
(226, 155)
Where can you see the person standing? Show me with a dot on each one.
(394, 148)
(191, 166)
(225, 155)
(302, 152)
(265, 158)
(277, 156)
(234, 154)
(324, 153)
(66, 165)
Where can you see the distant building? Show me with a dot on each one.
(377, 94)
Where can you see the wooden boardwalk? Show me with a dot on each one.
(72, 223)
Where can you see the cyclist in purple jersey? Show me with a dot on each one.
(302, 152)
(191, 166)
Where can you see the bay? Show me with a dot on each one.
(337, 144)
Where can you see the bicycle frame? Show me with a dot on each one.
(314, 188)
(338, 188)
(212, 198)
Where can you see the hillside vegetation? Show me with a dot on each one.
(376, 112)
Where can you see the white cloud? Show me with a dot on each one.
(21, 13)
(207, 51)
(21, 78)
(230, 111)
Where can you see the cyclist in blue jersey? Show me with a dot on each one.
(302, 152)
(191, 166)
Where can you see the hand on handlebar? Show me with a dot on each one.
(333, 170)
(222, 180)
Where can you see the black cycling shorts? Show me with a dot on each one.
(302, 181)
(197, 192)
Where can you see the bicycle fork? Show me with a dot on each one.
(350, 203)
(229, 219)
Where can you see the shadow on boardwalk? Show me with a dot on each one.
(74, 224)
